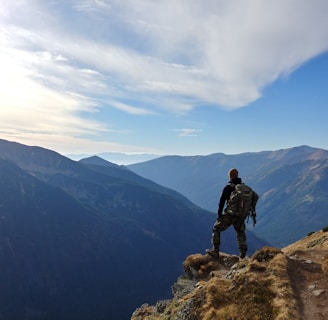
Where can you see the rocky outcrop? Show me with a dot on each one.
(291, 283)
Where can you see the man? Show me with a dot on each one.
(226, 219)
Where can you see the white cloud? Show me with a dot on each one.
(66, 144)
(187, 132)
(65, 59)
(218, 52)
(91, 5)
(30, 106)
(128, 108)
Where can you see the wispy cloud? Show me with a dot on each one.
(129, 109)
(187, 132)
(68, 59)
(222, 53)
(91, 5)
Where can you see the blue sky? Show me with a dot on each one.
(166, 77)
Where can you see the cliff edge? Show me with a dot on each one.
(279, 284)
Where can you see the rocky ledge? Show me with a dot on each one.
(282, 284)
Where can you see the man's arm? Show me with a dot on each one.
(225, 194)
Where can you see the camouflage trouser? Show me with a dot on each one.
(223, 223)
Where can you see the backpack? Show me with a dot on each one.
(242, 201)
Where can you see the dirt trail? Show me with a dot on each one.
(309, 283)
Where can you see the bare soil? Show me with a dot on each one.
(309, 283)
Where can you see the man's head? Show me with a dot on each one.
(233, 173)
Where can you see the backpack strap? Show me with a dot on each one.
(232, 185)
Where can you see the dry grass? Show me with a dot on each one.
(324, 267)
(145, 312)
(316, 240)
(284, 301)
(253, 293)
(198, 265)
(248, 299)
(256, 289)
(216, 293)
(263, 292)
(265, 254)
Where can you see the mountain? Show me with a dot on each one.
(272, 284)
(117, 157)
(292, 184)
(48, 257)
(90, 239)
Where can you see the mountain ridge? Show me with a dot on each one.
(116, 157)
(292, 184)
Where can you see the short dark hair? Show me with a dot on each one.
(233, 173)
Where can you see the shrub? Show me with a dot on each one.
(197, 265)
(325, 229)
(265, 254)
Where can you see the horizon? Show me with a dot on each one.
(129, 159)
(167, 78)
(121, 158)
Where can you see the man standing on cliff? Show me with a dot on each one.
(228, 218)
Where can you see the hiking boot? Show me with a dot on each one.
(242, 255)
(213, 253)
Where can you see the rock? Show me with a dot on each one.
(311, 287)
(161, 305)
(318, 292)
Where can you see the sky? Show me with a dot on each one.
(165, 77)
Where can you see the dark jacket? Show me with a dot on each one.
(226, 192)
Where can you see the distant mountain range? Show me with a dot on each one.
(116, 157)
(90, 239)
(292, 184)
